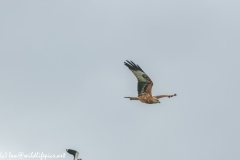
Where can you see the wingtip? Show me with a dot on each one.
(132, 66)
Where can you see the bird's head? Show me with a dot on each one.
(156, 100)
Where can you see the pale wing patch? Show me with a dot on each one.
(76, 155)
(139, 76)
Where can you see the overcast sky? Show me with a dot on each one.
(62, 78)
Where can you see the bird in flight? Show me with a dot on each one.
(144, 85)
(74, 153)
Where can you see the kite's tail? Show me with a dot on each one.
(132, 98)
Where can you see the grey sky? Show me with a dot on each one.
(63, 79)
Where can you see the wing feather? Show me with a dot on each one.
(76, 155)
(144, 82)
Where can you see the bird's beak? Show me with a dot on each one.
(66, 149)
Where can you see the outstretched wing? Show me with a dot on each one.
(144, 82)
(165, 95)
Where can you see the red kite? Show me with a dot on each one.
(144, 85)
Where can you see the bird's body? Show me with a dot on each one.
(144, 85)
(147, 98)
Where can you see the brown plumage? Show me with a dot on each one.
(144, 85)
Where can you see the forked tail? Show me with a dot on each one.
(132, 98)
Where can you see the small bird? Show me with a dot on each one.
(74, 153)
(144, 85)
